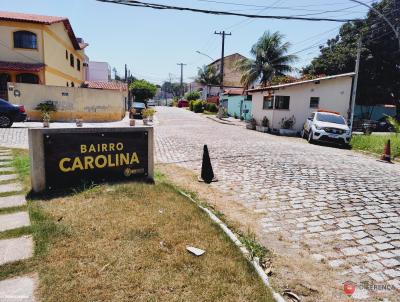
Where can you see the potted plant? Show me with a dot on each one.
(79, 122)
(264, 125)
(148, 114)
(251, 124)
(287, 125)
(45, 109)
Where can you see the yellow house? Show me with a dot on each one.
(39, 50)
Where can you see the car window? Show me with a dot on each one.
(139, 105)
(331, 118)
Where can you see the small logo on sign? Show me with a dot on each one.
(349, 288)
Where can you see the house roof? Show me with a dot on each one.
(234, 54)
(18, 66)
(234, 91)
(106, 85)
(41, 19)
(274, 87)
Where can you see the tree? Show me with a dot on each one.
(207, 76)
(379, 77)
(173, 88)
(142, 90)
(270, 60)
(192, 96)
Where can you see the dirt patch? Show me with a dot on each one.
(292, 269)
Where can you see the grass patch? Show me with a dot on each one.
(127, 242)
(376, 143)
(22, 166)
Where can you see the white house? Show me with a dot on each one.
(300, 99)
(99, 72)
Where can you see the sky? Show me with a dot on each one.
(152, 42)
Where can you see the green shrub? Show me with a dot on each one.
(212, 107)
(191, 103)
(198, 106)
(192, 96)
(235, 116)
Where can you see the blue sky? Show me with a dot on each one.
(152, 42)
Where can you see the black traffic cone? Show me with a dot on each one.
(207, 173)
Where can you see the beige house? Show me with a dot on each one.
(231, 75)
(39, 49)
(300, 99)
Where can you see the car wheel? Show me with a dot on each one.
(303, 134)
(310, 137)
(5, 121)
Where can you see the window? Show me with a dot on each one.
(72, 84)
(72, 60)
(282, 102)
(29, 78)
(25, 39)
(67, 84)
(249, 97)
(78, 64)
(331, 118)
(267, 103)
(314, 102)
(66, 55)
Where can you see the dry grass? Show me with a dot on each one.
(128, 242)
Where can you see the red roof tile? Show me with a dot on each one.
(18, 66)
(106, 85)
(233, 91)
(40, 19)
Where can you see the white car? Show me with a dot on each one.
(324, 126)
(151, 103)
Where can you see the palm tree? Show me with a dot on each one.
(270, 60)
(207, 75)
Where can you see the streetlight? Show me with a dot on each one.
(203, 54)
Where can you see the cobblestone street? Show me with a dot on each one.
(343, 206)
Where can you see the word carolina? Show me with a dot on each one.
(100, 161)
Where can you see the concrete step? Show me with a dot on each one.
(6, 157)
(19, 289)
(7, 177)
(7, 169)
(12, 201)
(14, 221)
(16, 249)
(12, 187)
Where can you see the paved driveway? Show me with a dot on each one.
(341, 205)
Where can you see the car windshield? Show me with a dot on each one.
(331, 118)
(139, 105)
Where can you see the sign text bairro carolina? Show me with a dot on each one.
(63, 158)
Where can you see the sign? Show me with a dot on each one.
(73, 157)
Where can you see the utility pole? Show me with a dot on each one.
(354, 92)
(182, 90)
(223, 34)
(126, 73)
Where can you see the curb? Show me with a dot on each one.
(277, 297)
(223, 122)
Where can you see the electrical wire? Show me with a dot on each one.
(214, 12)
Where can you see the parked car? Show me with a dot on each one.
(10, 114)
(137, 110)
(368, 126)
(183, 103)
(151, 103)
(327, 126)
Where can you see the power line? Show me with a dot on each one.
(214, 12)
